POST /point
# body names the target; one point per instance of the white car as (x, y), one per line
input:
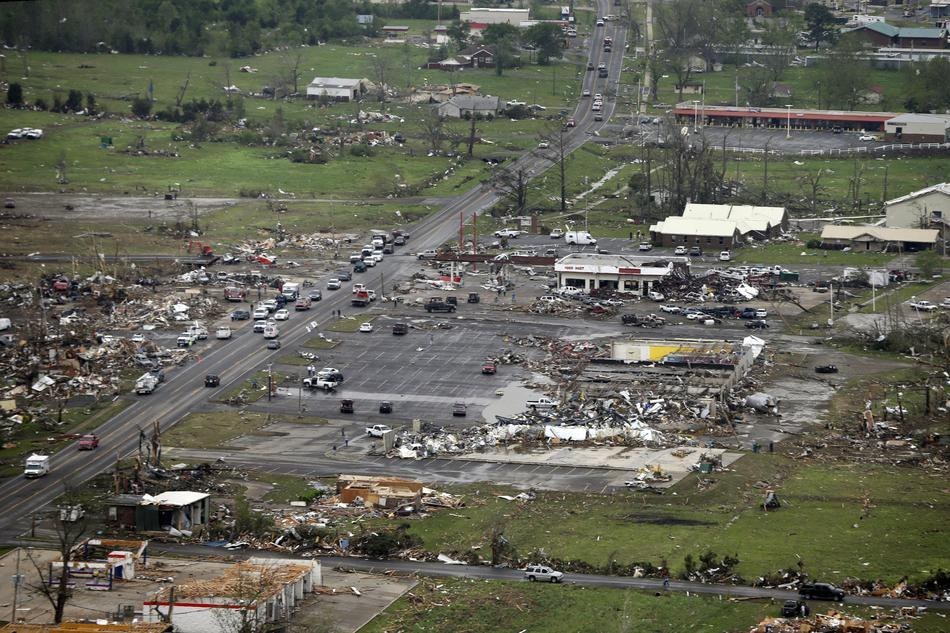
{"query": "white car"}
(33, 133)
(761, 313)
(260, 313)
(600, 22)
(598, 97)
(542, 573)
(507, 233)
(358, 288)
(867, 137)
(15, 133)
(585, 93)
(670, 309)
(556, 234)
(693, 316)
(945, 304)
(370, 261)
(922, 305)
(543, 145)
(269, 304)
(335, 284)
(680, 250)
(366, 327)
(725, 256)
(138, 338)
(282, 315)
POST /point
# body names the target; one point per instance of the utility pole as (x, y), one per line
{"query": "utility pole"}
(16, 587)
(270, 381)
(831, 303)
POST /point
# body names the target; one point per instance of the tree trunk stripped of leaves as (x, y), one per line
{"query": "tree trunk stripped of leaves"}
(513, 184)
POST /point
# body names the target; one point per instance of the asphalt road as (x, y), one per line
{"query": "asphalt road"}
(440, 570)
(184, 390)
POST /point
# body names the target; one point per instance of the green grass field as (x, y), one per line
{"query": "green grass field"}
(215, 429)
(790, 253)
(903, 534)
(480, 606)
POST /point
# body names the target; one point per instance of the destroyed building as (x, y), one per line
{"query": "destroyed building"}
(248, 596)
(383, 492)
(97, 563)
(637, 274)
(175, 510)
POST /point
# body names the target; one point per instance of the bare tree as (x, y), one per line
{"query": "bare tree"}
(70, 523)
(432, 126)
(513, 185)
(381, 67)
(472, 137)
(810, 182)
(182, 89)
(290, 62)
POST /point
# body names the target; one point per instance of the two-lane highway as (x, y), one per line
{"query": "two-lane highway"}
(234, 360)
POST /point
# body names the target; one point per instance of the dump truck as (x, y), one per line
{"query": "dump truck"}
(36, 466)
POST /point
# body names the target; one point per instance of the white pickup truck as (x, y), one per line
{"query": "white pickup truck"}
(540, 403)
(146, 384)
(321, 382)
(377, 430)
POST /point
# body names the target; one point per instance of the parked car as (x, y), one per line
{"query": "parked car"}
(512, 233)
(795, 609)
(385, 406)
(377, 430)
(366, 327)
(758, 324)
(922, 305)
(645, 246)
(542, 573)
(826, 369)
(346, 406)
(459, 409)
(679, 250)
(867, 137)
(556, 234)
(725, 256)
(670, 309)
(821, 591)
(695, 251)
(400, 329)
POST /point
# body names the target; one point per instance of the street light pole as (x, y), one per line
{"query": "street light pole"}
(695, 115)
(270, 381)
(788, 122)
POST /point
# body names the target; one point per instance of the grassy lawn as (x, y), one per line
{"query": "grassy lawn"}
(902, 175)
(887, 299)
(481, 606)
(901, 535)
(350, 323)
(215, 429)
(720, 88)
(31, 436)
(252, 393)
(286, 488)
(320, 343)
(790, 253)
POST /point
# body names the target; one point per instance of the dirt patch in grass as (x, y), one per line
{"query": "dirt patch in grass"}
(351, 323)
(654, 519)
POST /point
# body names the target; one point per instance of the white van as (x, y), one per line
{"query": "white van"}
(271, 331)
(725, 256)
(579, 237)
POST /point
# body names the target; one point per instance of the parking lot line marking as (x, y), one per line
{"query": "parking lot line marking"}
(537, 467)
(571, 470)
(604, 489)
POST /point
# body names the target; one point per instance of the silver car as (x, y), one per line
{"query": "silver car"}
(542, 573)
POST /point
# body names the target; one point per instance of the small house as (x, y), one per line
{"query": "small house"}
(335, 89)
(176, 510)
(467, 106)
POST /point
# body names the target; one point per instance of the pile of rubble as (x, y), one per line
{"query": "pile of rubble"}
(831, 622)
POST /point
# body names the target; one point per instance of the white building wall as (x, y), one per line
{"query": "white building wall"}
(909, 213)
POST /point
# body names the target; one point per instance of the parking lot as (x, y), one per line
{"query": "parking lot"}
(422, 373)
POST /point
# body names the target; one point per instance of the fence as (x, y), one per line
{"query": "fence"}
(900, 147)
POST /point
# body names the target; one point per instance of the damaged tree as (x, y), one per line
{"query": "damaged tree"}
(70, 524)
(513, 185)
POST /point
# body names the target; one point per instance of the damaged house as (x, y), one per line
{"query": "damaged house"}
(249, 596)
(98, 563)
(175, 510)
(382, 492)
(637, 274)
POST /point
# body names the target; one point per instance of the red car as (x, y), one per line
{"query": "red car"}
(489, 368)
(88, 442)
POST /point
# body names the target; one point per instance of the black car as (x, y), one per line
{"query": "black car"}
(212, 381)
(459, 409)
(240, 315)
(758, 324)
(385, 407)
(346, 406)
(399, 240)
(821, 591)
(747, 313)
(344, 275)
(315, 295)
(695, 251)
(795, 609)
(273, 344)
(826, 369)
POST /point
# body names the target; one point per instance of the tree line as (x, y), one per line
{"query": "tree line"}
(234, 28)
